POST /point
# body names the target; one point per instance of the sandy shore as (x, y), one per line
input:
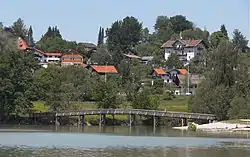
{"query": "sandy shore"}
(219, 126)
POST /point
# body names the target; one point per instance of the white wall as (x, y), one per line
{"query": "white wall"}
(51, 59)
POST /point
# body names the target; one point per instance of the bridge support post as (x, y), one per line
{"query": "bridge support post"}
(113, 119)
(154, 121)
(83, 120)
(102, 119)
(130, 120)
(184, 122)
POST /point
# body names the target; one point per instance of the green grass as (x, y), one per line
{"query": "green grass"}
(180, 103)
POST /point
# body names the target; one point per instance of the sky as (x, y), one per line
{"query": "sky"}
(79, 20)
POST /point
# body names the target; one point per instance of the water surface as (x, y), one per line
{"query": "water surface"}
(118, 142)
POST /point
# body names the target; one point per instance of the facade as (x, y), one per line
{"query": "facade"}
(158, 73)
(71, 59)
(185, 49)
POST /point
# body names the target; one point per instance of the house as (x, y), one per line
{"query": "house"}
(71, 59)
(104, 69)
(42, 57)
(185, 49)
(158, 73)
(171, 74)
(131, 56)
(22, 44)
(88, 46)
(190, 81)
(146, 59)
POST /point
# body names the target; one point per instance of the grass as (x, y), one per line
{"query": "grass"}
(180, 103)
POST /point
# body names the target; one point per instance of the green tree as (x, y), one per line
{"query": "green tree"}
(216, 38)
(16, 71)
(180, 23)
(145, 100)
(173, 61)
(30, 37)
(163, 28)
(196, 34)
(19, 28)
(123, 35)
(224, 30)
(239, 40)
(216, 92)
(99, 41)
(106, 93)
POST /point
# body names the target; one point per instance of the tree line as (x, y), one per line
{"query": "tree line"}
(224, 92)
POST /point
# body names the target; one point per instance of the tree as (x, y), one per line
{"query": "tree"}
(30, 37)
(16, 71)
(173, 61)
(19, 28)
(216, 38)
(123, 35)
(163, 28)
(224, 30)
(216, 92)
(106, 93)
(239, 40)
(196, 34)
(99, 41)
(145, 100)
(180, 23)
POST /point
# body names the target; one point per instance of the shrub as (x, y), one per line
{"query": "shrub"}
(192, 127)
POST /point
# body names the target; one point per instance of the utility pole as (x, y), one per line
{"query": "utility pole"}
(188, 79)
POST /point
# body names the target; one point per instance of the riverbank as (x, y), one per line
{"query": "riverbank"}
(224, 126)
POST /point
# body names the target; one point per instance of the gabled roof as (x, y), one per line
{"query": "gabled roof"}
(132, 56)
(57, 54)
(187, 43)
(104, 68)
(72, 56)
(22, 44)
(160, 71)
(181, 71)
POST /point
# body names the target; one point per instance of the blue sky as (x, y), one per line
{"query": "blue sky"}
(79, 20)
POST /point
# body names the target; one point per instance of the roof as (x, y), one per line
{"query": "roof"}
(160, 71)
(147, 58)
(104, 68)
(132, 56)
(72, 56)
(88, 45)
(183, 71)
(22, 44)
(187, 43)
(193, 79)
(84, 65)
(54, 54)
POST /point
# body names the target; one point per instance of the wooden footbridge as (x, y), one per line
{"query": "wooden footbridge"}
(130, 112)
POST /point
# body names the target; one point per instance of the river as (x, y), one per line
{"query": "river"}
(33, 141)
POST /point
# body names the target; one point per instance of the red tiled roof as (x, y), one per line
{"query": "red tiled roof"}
(72, 56)
(187, 43)
(104, 69)
(22, 44)
(53, 54)
(183, 71)
(160, 71)
(84, 65)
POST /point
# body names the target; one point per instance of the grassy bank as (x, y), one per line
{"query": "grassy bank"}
(178, 104)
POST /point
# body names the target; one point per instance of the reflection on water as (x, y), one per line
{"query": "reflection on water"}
(118, 142)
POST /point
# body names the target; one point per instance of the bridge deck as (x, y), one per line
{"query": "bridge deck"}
(135, 112)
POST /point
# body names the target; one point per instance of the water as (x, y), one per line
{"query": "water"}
(118, 142)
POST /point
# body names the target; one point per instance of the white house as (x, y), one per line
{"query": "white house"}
(47, 57)
(185, 49)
